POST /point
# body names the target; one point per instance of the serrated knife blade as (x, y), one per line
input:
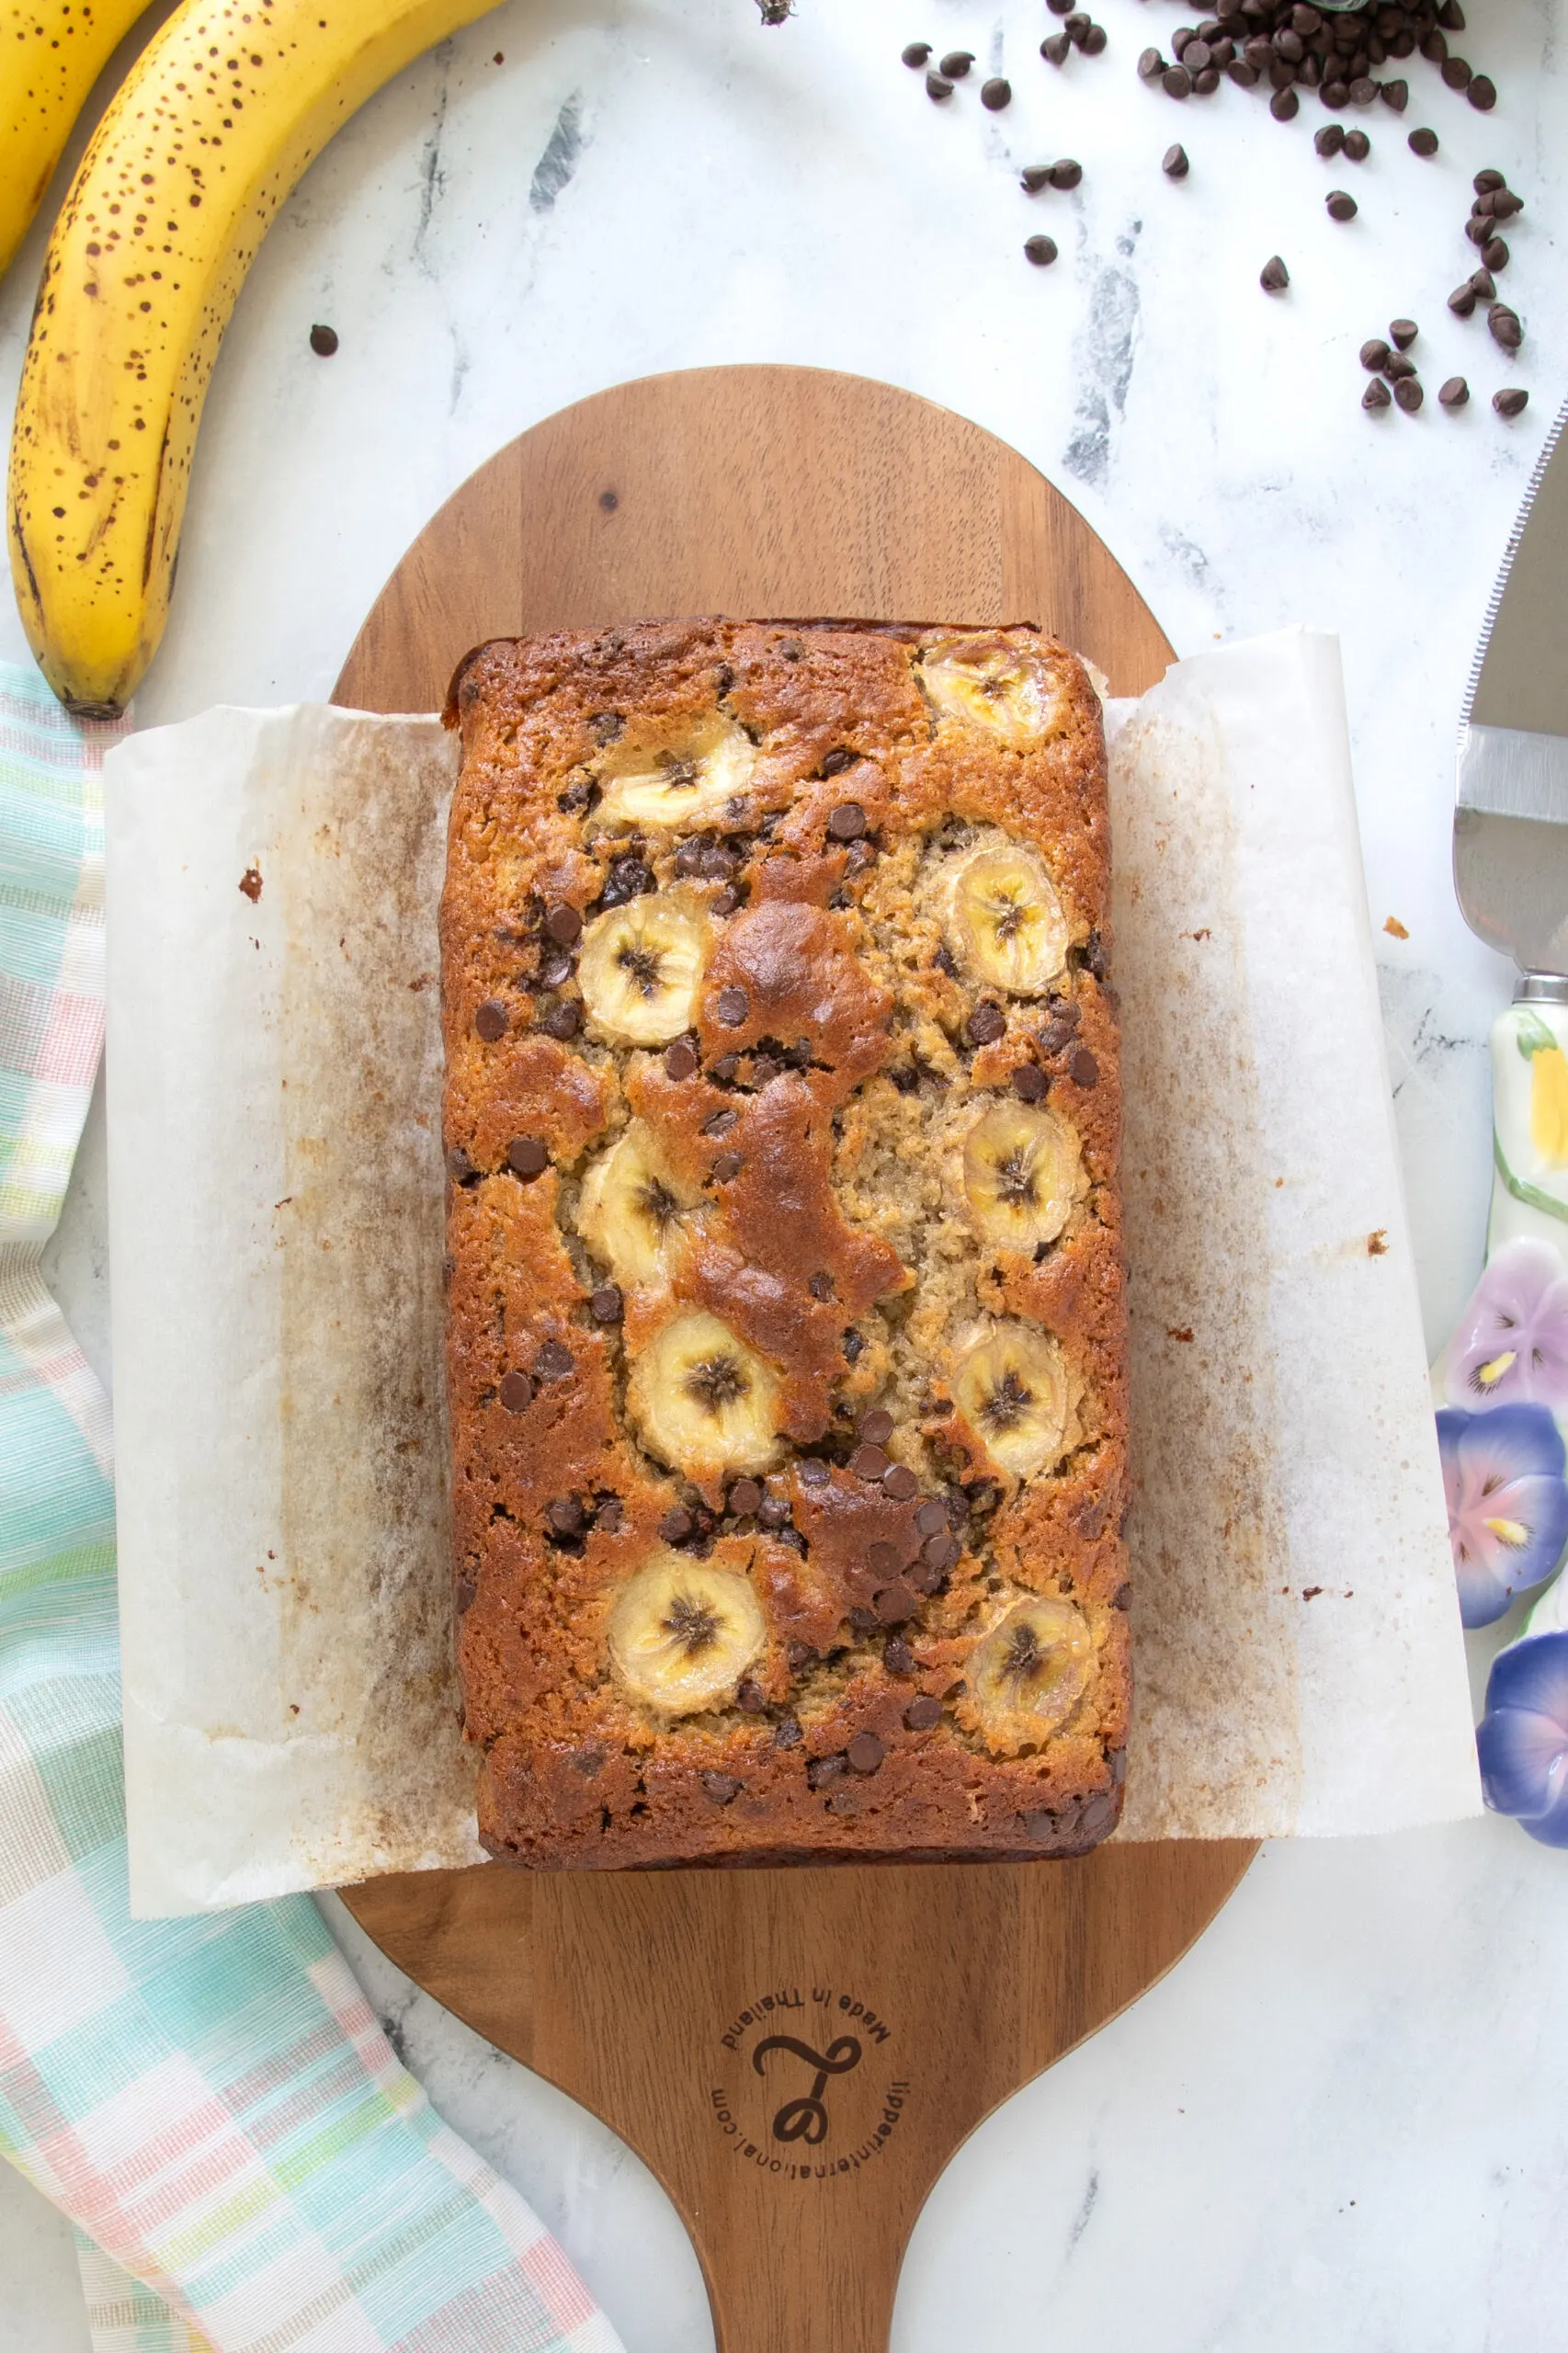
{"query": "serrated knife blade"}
(1511, 812)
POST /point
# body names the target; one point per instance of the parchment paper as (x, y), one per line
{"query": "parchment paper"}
(276, 1238)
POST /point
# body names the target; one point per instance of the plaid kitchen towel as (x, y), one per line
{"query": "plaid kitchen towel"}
(211, 2101)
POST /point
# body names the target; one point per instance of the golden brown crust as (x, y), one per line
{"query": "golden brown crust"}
(809, 1123)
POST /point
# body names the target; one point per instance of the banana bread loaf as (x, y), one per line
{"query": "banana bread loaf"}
(785, 1319)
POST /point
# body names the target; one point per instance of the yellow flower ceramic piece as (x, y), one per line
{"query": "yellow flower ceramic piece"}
(1548, 1105)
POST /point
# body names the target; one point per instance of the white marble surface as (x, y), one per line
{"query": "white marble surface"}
(1339, 2123)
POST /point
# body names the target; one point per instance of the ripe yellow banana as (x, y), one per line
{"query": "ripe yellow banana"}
(226, 105)
(51, 52)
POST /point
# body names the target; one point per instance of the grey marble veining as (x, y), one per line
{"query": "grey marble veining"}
(1339, 2123)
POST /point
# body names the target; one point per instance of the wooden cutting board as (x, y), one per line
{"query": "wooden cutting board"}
(795, 2053)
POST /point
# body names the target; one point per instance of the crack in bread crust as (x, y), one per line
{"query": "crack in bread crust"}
(782, 1118)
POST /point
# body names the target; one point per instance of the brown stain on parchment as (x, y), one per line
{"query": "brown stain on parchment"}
(1213, 1647)
(367, 1546)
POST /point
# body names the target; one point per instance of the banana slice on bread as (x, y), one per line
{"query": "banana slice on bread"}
(703, 1401)
(988, 682)
(633, 1214)
(683, 1633)
(693, 775)
(1024, 1678)
(1012, 1390)
(642, 967)
(1006, 921)
(1021, 1174)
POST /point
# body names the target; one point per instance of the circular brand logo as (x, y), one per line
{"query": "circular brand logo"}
(809, 2088)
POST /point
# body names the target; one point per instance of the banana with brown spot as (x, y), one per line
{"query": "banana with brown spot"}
(217, 120)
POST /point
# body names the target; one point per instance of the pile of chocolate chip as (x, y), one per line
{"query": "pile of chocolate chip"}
(1292, 46)
(1395, 381)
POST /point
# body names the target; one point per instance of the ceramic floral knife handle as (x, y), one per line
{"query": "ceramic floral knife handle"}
(1529, 1118)
(1500, 1387)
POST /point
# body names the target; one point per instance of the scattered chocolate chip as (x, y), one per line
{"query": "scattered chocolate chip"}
(564, 1514)
(937, 88)
(1034, 176)
(732, 1007)
(848, 821)
(957, 62)
(720, 1123)
(1483, 92)
(995, 94)
(1374, 354)
(1151, 65)
(868, 1461)
(1029, 1082)
(923, 1714)
(813, 1472)
(854, 1344)
(1495, 254)
(1358, 146)
(897, 1656)
(1054, 50)
(1396, 365)
(823, 1771)
(1422, 142)
(1377, 396)
(490, 1021)
(786, 1733)
(562, 1021)
(676, 1524)
(565, 925)
(1506, 204)
(1067, 172)
(940, 1553)
(517, 1390)
(1175, 164)
(460, 1167)
(895, 1604)
(1462, 300)
(1082, 1067)
(1059, 1031)
(527, 1156)
(1504, 326)
(752, 1698)
(884, 1561)
(1482, 284)
(727, 1167)
(1395, 94)
(723, 1788)
(1093, 41)
(680, 1060)
(1403, 333)
(606, 1305)
(606, 725)
(1340, 205)
(1177, 82)
(553, 1362)
(1285, 106)
(1455, 393)
(931, 1519)
(865, 1752)
(875, 1427)
(726, 1068)
(1041, 251)
(985, 1024)
(554, 968)
(324, 341)
(609, 1516)
(773, 1512)
(1511, 400)
(1408, 393)
(629, 878)
(917, 52)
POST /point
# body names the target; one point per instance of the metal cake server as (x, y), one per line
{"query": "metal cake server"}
(1511, 851)
(1511, 817)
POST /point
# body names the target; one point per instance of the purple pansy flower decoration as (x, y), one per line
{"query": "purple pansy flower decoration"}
(1511, 1347)
(1508, 1502)
(1523, 1738)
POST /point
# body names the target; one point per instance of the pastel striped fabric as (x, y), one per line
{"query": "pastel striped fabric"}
(249, 2168)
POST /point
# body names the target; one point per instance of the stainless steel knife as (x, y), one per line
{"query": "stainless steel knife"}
(1511, 849)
